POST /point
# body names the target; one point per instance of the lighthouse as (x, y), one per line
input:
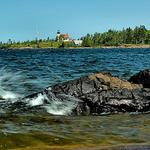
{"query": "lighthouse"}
(62, 37)
(58, 36)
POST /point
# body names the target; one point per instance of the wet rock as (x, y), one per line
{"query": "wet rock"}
(95, 94)
(102, 93)
(143, 77)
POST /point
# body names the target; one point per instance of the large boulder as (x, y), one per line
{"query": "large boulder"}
(95, 94)
(143, 77)
(101, 93)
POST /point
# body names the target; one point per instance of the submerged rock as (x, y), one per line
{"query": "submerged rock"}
(96, 94)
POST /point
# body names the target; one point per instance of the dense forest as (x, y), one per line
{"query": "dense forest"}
(138, 35)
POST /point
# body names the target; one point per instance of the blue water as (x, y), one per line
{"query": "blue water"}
(26, 71)
(39, 68)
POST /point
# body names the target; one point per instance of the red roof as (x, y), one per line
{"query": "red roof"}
(66, 36)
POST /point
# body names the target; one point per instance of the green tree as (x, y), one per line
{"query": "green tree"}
(87, 41)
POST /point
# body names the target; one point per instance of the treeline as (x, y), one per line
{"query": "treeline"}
(37, 43)
(29, 44)
(136, 36)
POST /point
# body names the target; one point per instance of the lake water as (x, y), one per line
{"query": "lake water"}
(23, 72)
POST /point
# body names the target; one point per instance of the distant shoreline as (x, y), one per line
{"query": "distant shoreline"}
(103, 47)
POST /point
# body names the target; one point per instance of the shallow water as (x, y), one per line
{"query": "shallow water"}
(103, 131)
(24, 72)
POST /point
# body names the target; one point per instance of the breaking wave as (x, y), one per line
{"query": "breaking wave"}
(9, 84)
(61, 105)
(12, 90)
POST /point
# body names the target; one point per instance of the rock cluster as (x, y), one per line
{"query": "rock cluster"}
(143, 77)
(98, 93)
(102, 93)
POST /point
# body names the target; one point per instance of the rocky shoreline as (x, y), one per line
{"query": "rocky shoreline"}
(95, 94)
(102, 93)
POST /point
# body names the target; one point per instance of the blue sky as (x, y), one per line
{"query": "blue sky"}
(26, 19)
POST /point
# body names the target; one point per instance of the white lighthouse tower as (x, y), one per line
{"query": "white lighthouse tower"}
(58, 36)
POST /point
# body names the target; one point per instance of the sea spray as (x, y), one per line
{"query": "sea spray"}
(12, 91)
(65, 107)
(12, 87)
(8, 80)
(17, 84)
(60, 105)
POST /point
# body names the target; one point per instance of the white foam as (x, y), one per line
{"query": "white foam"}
(8, 78)
(39, 100)
(60, 108)
(7, 95)
(54, 105)
(16, 84)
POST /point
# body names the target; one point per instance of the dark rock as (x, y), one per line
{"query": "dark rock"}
(143, 77)
(96, 94)
(102, 93)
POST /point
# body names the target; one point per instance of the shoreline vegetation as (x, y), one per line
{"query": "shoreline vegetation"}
(139, 37)
(132, 46)
(81, 47)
